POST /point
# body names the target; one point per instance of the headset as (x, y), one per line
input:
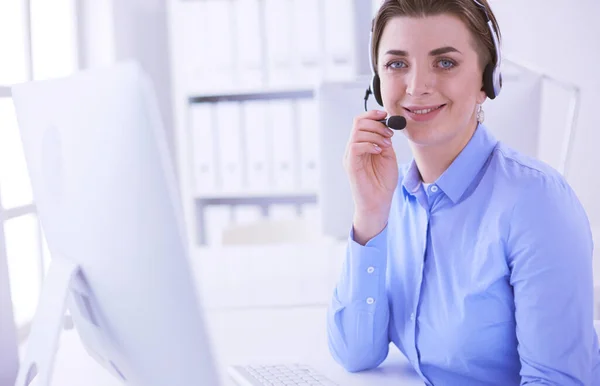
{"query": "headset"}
(492, 76)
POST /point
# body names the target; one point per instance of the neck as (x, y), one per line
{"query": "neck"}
(433, 160)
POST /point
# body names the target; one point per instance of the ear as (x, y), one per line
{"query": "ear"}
(481, 97)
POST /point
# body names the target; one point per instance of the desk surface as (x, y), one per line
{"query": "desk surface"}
(250, 322)
(248, 336)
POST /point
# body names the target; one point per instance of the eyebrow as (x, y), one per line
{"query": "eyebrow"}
(437, 51)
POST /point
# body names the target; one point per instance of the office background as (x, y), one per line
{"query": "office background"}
(235, 80)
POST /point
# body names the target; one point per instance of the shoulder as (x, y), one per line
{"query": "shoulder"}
(528, 180)
(523, 170)
(542, 199)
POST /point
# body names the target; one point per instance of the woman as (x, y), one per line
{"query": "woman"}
(474, 260)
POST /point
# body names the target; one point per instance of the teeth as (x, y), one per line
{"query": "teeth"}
(425, 111)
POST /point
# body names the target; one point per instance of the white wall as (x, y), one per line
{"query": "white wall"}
(560, 37)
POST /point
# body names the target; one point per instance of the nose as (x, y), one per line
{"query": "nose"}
(419, 81)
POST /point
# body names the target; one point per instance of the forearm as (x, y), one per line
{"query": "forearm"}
(357, 324)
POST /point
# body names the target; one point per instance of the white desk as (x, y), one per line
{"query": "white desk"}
(252, 336)
(264, 304)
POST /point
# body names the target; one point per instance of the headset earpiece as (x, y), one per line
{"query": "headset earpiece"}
(492, 78)
(376, 89)
(488, 81)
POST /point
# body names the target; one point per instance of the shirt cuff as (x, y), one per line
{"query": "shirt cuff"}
(378, 241)
(365, 270)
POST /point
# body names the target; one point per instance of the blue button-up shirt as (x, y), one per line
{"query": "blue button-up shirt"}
(483, 279)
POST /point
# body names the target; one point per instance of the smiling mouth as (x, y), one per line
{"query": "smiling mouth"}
(424, 111)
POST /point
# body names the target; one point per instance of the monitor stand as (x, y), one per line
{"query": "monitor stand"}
(47, 325)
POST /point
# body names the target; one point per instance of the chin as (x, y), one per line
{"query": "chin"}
(426, 137)
(427, 133)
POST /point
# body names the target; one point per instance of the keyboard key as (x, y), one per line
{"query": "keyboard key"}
(278, 375)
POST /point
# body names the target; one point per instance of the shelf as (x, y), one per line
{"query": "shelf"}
(249, 95)
(250, 193)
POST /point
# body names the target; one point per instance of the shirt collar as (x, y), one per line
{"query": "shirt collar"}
(412, 179)
(460, 174)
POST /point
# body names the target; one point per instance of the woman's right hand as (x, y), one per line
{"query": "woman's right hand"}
(370, 162)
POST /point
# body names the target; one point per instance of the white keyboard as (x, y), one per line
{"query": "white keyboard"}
(278, 375)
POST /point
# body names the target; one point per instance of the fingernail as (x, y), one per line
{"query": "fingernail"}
(382, 113)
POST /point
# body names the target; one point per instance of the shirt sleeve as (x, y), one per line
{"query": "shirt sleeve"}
(550, 255)
(358, 316)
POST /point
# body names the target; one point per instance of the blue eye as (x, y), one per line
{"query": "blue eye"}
(396, 64)
(446, 64)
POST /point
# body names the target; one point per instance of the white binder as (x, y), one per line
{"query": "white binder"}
(308, 134)
(339, 32)
(229, 145)
(257, 164)
(192, 22)
(248, 44)
(280, 50)
(219, 55)
(283, 145)
(202, 128)
(307, 40)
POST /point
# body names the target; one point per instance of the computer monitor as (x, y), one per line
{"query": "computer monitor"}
(8, 332)
(514, 118)
(106, 195)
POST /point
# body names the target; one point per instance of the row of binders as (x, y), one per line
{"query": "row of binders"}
(266, 43)
(255, 146)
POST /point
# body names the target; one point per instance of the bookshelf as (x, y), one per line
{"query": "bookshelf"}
(246, 81)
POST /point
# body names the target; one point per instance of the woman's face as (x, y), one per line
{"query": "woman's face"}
(430, 74)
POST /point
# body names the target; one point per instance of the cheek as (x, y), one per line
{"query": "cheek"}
(460, 85)
(393, 88)
(461, 91)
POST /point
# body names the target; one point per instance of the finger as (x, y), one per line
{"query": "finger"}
(370, 125)
(362, 148)
(372, 115)
(367, 136)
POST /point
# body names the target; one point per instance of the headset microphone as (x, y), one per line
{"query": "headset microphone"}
(396, 122)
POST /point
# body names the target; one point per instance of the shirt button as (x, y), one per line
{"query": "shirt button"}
(370, 270)
(434, 188)
(370, 300)
(412, 316)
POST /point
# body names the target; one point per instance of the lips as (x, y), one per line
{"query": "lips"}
(423, 113)
(422, 110)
